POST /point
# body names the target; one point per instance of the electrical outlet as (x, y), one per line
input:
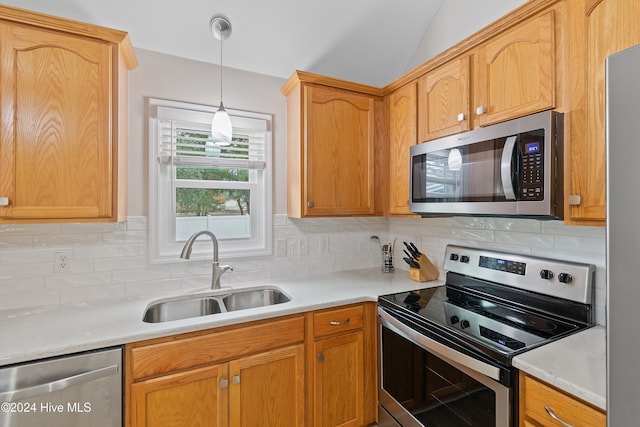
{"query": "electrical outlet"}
(62, 261)
(281, 247)
(303, 246)
(324, 244)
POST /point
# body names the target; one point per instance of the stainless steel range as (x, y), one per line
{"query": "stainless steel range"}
(446, 351)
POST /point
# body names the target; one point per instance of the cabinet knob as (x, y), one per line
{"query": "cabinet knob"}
(310, 203)
(4, 201)
(461, 117)
(235, 379)
(224, 383)
(575, 200)
(481, 110)
(320, 357)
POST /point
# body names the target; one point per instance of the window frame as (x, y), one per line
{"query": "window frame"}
(163, 246)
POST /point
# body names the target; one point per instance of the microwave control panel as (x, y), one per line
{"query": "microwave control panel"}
(532, 184)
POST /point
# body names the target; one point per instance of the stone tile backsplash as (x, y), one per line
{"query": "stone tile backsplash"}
(110, 260)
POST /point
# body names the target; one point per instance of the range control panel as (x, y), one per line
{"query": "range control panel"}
(565, 279)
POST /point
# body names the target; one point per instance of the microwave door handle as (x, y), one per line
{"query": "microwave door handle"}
(505, 167)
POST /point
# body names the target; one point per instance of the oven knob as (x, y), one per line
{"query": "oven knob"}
(454, 319)
(565, 278)
(464, 324)
(453, 257)
(546, 274)
(464, 258)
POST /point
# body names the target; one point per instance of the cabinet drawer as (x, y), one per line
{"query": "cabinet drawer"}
(337, 321)
(538, 395)
(182, 353)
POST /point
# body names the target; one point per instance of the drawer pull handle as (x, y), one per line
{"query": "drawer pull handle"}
(555, 417)
(339, 322)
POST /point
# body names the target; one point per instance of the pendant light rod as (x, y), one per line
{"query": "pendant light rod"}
(221, 30)
(221, 128)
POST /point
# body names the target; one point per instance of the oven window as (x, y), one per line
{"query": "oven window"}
(434, 392)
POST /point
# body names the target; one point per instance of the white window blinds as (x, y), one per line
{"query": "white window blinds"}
(185, 139)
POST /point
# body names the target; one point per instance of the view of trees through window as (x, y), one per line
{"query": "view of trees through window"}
(196, 201)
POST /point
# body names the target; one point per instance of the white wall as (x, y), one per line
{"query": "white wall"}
(180, 79)
(456, 20)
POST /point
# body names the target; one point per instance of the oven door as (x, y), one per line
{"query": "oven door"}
(425, 383)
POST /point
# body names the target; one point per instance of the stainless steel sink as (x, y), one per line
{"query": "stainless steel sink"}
(242, 300)
(205, 305)
(181, 309)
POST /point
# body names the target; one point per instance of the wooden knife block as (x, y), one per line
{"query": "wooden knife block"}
(426, 272)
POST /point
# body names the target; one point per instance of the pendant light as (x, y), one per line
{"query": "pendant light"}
(221, 130)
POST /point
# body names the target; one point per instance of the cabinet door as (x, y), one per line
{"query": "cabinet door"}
(191, 398)
(55, 146)
(609, 26)
(515, 72)
(268, 389)
(339, 381)
(536, 397)
(403, 116)
(338, 151)
(443, 100)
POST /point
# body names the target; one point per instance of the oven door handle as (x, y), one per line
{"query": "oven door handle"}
(437, 348)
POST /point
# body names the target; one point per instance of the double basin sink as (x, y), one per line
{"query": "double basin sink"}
(185, 307)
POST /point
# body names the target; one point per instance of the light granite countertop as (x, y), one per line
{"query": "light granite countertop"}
(45, 331)
(575, 364)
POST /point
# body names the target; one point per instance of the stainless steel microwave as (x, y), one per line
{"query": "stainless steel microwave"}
(514, 168)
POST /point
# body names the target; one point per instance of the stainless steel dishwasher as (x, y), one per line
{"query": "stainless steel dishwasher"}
(83, 389)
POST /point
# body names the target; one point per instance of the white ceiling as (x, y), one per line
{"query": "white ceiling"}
(368, 41)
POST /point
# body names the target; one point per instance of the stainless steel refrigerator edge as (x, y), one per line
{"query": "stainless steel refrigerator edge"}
(623, 237)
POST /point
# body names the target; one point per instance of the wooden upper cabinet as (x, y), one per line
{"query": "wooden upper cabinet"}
(63, 99)
(601, 28)
(443, 100)
(403, 126)
(330, 150)
(515, 72)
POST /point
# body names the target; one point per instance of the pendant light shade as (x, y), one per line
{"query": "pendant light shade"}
(221, 130)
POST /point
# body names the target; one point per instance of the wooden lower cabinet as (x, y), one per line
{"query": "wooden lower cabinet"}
(268, 389)
(339, 381)
(343, 366)
(244, 375)
(536, 397)
(190, 398)
(264, 373)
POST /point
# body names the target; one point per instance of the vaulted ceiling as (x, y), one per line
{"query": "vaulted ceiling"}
(368, 41)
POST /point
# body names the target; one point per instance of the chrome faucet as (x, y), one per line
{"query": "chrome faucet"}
(218, 269)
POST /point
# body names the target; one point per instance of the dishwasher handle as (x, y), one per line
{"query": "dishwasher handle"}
(60, 384)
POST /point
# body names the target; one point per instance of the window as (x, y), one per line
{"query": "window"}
(196, 185)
